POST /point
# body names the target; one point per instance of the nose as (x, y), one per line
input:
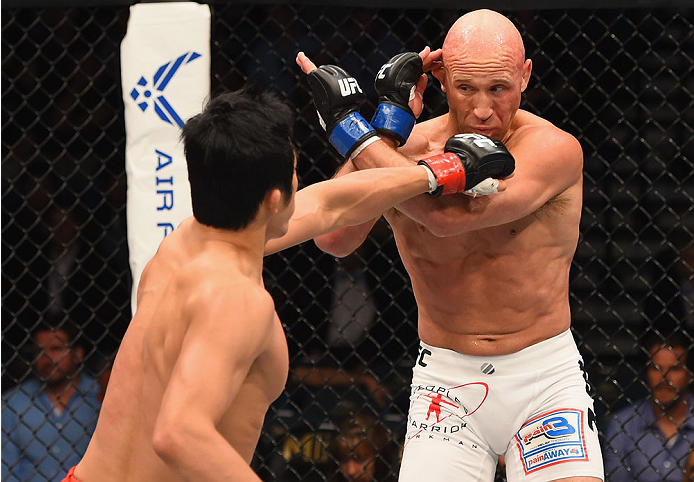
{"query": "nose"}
(352, 469)
(483, 107)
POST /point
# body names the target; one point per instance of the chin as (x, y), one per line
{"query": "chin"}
(666, 399)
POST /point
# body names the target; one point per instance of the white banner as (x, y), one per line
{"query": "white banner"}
(165, 73)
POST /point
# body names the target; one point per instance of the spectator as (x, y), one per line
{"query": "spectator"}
(650, 440)
(363, 450)
(47, 421)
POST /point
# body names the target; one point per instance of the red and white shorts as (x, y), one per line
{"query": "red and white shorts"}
(531, 406)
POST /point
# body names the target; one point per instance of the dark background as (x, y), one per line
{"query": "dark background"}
(619, 79)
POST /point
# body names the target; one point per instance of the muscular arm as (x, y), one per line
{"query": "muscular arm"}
(342, 242)
(214, 361)
(349, 200)
(548, 161)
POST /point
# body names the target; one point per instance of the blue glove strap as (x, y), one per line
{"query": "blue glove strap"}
(350, 132)
(394, 121)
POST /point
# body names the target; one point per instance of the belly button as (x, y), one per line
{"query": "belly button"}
(513, 232)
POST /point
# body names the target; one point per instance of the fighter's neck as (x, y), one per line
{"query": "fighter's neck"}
(247, 244)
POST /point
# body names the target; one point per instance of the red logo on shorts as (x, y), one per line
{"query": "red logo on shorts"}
(435, 405)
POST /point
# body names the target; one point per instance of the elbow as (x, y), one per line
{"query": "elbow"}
(168, 442)
(333, 244)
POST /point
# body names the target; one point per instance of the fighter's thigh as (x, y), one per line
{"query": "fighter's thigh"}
(432, 458)
(559, 442)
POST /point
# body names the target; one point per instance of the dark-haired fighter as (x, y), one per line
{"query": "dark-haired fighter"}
(490, 273)
(205, 354)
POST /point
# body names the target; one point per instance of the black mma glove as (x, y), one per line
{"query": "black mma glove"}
(469, 159)
(395, 84)
(336, 96)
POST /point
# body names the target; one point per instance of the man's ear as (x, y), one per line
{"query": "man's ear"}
(273, 200)
(440, 74)
(527, 69)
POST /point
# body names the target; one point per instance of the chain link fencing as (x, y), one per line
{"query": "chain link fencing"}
(620, 80)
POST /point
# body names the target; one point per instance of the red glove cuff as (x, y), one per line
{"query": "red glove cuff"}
(449, 172)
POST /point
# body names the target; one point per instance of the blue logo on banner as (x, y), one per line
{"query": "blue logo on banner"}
(161, 79)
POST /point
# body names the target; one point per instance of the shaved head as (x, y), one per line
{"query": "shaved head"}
(483, 32)
(484, 73)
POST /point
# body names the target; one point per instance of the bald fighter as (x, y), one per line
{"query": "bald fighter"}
(205, 354)
(490, 273)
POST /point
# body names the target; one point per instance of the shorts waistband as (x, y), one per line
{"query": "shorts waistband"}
(560, 348)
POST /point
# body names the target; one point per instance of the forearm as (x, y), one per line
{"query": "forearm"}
(381, 154)
(349, 200)
(443, 216)
(364, 195)
(421, 209)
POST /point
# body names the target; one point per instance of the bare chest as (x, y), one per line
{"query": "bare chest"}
(471, 272)
(418, 245)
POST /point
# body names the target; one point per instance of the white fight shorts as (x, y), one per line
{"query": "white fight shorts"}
(531, 406)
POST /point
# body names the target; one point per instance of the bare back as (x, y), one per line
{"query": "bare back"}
(183, 268)
(495, 289)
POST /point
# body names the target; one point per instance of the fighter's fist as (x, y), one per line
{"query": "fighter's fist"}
(337, 96)
(395, 84)
(469, 159)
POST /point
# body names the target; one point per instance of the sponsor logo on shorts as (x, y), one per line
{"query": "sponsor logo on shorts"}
(423, 352)
(487, 368)
(552, 438)
(145, 92)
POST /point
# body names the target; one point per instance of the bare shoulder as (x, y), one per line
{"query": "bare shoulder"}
(539, 139)
(215, 294)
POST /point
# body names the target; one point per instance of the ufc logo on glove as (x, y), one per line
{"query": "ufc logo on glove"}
(348, 86)
(382, 73)
(479, 140)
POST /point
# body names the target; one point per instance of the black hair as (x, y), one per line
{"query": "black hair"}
(237, 149)
(676, 339)
(654, 340)
(361, 436)
(72, 331)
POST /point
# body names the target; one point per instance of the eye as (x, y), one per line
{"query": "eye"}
(498, 88)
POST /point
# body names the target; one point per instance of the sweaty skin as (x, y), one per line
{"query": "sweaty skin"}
(187, 361)
(490, 274)
(205, 354)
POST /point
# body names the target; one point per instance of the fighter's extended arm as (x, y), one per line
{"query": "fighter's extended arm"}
(214, 360)
(548, 162)
(342, 242)
(349, 200)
